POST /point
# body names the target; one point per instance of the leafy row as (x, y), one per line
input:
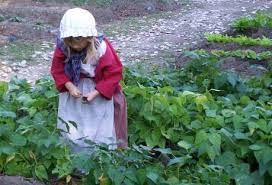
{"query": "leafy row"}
(244, 54)
(225, 123)
(251, 22)
(197, 125)
(242, 40)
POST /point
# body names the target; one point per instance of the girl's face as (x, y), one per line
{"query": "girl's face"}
(77, 43)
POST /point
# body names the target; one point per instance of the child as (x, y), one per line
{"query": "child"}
(87, 71)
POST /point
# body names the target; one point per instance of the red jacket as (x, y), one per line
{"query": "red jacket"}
(108, 72)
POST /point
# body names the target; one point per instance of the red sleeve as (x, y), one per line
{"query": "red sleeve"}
(57, 70)
(111, 73)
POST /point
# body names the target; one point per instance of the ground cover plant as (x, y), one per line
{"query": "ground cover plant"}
(253, 22)
(198, 125)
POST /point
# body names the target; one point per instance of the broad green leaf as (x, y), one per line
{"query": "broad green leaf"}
(267, 155)
(263, 125)
(116, 176)
(3, 88)
(244, 100)
(163, 150)
(18, 168)
(7, 114)
(237, 122)
(212, 152)
(240, 135)
(50, 94)
(25, 99)
(185, 145)
(172, 180)
(215, 139)
(153, 176)
(201, 99)
(6, 149)
(227, 158)
(141, 175)
(203, 148)
(252, 127)
(228, 113)
(40, 172)
(210, 113)
(18, 140)
(232, 78)
(178, 160)
(131, 175)
(201, 136)
(255, 147)
(10, 158)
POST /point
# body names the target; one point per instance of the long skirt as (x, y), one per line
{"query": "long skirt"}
(120, 119)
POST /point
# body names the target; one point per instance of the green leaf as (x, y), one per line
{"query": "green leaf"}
(73, 123)
(155, 138)
(212, 152)
(227, 158)
(201, 136)
(163, 150)
(210, 113)
(40, 172)
(267, 155)
(185, 145)
(215, 139)
(25, 99)
(240, 135)
(115, 175)
(18, 140)
(3, 88)
(178, 160)
(172, 180)
(232, 79)
(228, 113)
(153, 176)
(244, 100)
(255, 147)
(130, 174)
(6, 149)
(263, 125)
(252, 127)
(141, 176)
(7, 114)
(50, 94)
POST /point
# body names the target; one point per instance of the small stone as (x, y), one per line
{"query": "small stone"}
(4, 75)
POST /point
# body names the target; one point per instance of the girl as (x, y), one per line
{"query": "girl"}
(87, 71)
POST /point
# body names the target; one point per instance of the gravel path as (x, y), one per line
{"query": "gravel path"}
(150, 39)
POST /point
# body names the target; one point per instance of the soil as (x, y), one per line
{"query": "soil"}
(156, 36)
(28, 20)
(245, 67)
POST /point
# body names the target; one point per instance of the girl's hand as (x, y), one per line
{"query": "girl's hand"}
(73, 90)
(90, 96)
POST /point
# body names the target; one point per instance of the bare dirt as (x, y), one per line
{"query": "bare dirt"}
(154, 36)
(245, 66)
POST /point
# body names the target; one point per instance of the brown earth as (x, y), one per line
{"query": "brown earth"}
(246, 67)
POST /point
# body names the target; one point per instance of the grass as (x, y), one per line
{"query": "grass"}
(134, 24)
(20, 50)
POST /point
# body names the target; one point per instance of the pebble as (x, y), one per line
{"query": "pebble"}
(152, 37)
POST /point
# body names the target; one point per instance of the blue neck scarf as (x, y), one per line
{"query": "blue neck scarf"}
(72, 67)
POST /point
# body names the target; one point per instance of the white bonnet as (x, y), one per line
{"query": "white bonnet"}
(77, 22)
